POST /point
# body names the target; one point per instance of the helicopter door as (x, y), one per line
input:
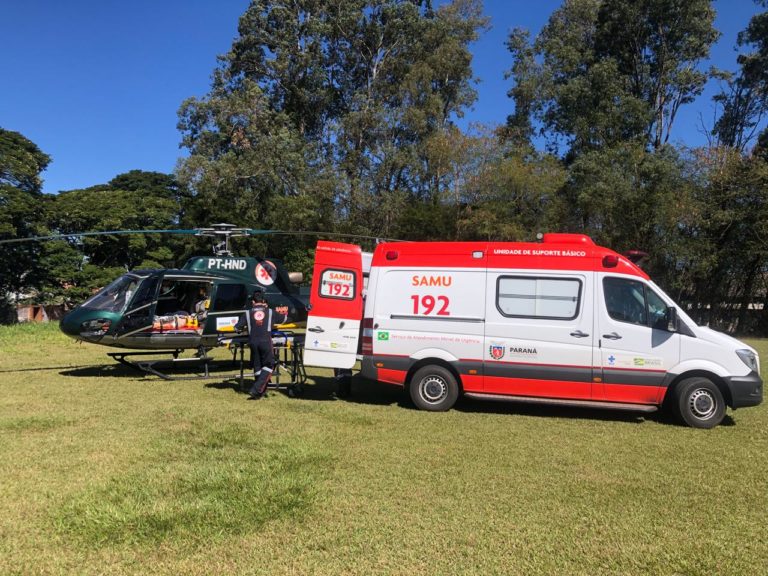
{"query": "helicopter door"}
(227, 306)
(333, 325)
(141, 308)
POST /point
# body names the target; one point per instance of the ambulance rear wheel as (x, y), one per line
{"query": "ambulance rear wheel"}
(700, 403)
(434, 388)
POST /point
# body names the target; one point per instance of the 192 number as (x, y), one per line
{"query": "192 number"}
(336, 289)
(426, 305)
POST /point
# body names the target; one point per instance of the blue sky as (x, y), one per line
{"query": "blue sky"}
(96, 84)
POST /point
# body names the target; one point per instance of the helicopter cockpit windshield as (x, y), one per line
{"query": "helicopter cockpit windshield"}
(116, 296)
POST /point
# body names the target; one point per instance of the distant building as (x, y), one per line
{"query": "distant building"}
(39, 313)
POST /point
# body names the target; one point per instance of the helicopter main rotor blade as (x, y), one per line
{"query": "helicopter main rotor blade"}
(252, 232)
(220, 230)
(101, 233)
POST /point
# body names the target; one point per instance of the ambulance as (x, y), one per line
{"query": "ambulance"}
(560, 321)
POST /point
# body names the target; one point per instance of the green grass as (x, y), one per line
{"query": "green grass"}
(103, 471)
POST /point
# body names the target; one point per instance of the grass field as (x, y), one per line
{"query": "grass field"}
(106, 472)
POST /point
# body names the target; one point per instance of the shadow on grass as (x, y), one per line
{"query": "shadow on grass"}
(376, 393)
(661, 416)
(326, 389)
(222, 370)
(38, 369)
(102, 370)
(554, 411)
(232, 384)
(319, 389)
(362, 392)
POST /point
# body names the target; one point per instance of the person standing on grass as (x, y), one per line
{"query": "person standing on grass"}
(259, 321)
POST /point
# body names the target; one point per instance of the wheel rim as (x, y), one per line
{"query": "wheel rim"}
(702, 403)
(433, 389)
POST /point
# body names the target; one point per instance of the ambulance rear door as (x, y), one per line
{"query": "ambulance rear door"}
(333, 324)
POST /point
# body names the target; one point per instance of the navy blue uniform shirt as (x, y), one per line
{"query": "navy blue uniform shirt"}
(259, 320)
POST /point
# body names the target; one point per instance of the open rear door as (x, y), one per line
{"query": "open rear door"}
(333, 325)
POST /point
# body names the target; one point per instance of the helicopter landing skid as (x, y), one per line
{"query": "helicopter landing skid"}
(288, 363)
(149, 366)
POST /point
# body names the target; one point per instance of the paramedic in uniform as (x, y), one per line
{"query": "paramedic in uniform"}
(259, 321)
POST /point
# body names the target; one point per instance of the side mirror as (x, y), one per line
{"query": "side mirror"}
(674, 323)
(296, 277)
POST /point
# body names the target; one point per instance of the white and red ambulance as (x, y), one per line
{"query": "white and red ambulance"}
(560, 321)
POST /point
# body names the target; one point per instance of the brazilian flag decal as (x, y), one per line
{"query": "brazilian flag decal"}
(383, 336)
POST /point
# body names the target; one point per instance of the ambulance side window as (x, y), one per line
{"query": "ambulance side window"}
(538, 297)
(625, 300)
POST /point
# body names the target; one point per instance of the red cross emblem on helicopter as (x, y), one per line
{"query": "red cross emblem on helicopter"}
(265, 273)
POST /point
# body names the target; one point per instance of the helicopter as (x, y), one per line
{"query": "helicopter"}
(166, 311)
(193, 307)
(158, 309)
(186, 308)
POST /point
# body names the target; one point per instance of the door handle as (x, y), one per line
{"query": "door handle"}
(579, 334)
(316, 329)
(612, 336)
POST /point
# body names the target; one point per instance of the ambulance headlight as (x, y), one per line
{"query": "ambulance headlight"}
(750, 359)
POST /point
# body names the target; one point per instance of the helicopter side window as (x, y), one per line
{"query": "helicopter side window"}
(145, 293)
(230, 297)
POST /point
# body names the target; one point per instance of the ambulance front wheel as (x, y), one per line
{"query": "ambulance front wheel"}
(700, 403)
(434, 388)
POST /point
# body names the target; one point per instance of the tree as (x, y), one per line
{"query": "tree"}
(744, 99)
(755, 64)
(22, 211)
(604, 72)
(627, 197)
(135, 200)
(730, 231)
(322, 110)
(743, 105)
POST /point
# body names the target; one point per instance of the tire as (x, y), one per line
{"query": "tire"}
(699, 403)
(434, 388)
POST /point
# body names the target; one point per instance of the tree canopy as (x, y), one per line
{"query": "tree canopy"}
(603, 72)
(343, 116)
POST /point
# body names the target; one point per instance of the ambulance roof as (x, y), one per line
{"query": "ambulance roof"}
(554, 252)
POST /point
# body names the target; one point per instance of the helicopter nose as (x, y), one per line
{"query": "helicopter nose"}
(70, 323)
